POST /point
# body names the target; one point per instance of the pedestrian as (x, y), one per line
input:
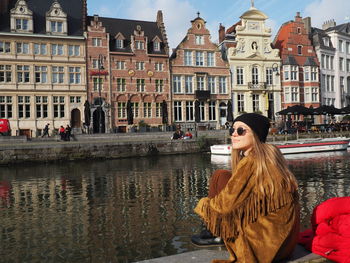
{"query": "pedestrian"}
(68, 132)
(46, 130)
(254, 209)
(62, 133)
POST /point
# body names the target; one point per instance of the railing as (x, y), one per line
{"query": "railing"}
(202, 94)
(260, 85)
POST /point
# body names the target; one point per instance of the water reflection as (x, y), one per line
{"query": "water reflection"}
(126, 210)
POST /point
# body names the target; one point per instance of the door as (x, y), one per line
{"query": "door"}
(99, 121)
(75, 118)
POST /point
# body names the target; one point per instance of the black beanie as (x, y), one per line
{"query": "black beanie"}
(258, 123)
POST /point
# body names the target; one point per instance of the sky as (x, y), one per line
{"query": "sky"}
(178, 14)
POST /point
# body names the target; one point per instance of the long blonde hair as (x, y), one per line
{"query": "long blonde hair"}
(266, 155)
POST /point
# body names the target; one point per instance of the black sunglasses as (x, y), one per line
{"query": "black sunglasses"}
(240, 131)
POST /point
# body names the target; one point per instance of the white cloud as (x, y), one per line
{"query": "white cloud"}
(323, 10)
(177, 15)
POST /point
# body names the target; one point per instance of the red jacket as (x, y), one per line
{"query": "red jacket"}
(330, 233)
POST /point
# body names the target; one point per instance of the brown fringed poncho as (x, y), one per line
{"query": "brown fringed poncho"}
(256, 227)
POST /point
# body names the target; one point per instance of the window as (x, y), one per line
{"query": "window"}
(23, 107)
(307, 94)
(314, 74)
(211, 84)
(57, 74)
(40, 74)
(40, 49)
(188, 84)
(200, 83)
(56, 26)
(201, 111)
(140, 66)
(5, 47)
(340, 46)
(300, 50)
(96, 42)
(294, 73)
(22, 24)
(120, 64)
(269, 79)
(135, 109)
(121, 110)
(322, 60)
(5, 73)
(74, 75)
(98, 84)
(74, 50)
(119, 43)
(348, 65)
(58, 107)
(295, 94)
(222, 85)
(177, 111)
(210, 59)
(140, 45)
(199, 58)
(140, 85)
(341, 64)
(328, 82)
(240, 102)
(314, 94)
(189, 111)
(332, 62)
(332, 83)
(199, 40)
(147, 110)
(41, 106)
(156, 46)
(159, 112)
(75, 99)
(342, 87)
(158, 66)
(212, 111)
(256, 99)
(326, 41)
(22, 48)
(299, 30)
(95, 63)
(188, 58)
(287, 94)
(56, 50)
(286, 72)
(23, 74)
(306, 74)
(121, 84)
(239, 71)
(6, 107)
(327, 62)
(347, 47)
(255, 75)
(177, 84)
(159, 85)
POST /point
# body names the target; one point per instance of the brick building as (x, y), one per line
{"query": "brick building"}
(200, 80)
(127, 61)
(300, 66)
(42, 64)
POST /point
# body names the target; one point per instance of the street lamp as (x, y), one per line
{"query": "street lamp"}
(100, 67)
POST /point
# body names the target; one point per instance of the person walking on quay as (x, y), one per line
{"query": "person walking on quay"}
(46, 130)
(254, 208)
(68, 132)
(62, 133)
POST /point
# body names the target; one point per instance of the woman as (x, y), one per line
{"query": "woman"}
(255, 210)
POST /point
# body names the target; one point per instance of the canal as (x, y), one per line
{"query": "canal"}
(129, 210)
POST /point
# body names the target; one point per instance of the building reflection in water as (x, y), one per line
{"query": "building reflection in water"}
(126, 210)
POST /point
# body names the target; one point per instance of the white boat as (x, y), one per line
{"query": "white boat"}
(297, 146)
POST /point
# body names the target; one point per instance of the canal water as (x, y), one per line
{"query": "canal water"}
(131, 209)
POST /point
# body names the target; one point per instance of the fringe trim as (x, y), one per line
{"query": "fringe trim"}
(229, 226)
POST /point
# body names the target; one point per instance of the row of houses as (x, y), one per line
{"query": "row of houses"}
(59, 66)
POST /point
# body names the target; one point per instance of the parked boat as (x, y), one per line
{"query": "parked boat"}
(297, 146)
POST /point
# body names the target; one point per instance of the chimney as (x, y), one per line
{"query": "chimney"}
(160, 17)
(328, 24)
(84, 15)
(298, 17)
(4, 6)
(307, 24)
(221, 33)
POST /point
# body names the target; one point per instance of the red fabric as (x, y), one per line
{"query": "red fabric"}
(330, 233)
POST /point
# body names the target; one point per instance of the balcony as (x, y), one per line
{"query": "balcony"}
(202, 94)
(259, 86)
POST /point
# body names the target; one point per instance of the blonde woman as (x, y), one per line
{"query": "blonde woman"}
(255, 210)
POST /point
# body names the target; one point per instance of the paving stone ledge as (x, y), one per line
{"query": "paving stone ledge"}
(300, 255)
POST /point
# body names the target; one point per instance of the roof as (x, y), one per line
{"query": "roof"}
(344, 28)
(73, 8)
(127, 27)
(290, 60)
(317, 38)
(310, 62)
